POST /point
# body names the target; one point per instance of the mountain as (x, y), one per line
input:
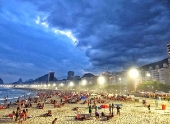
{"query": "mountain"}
(1, 81)
(18, 82)
(43, 78)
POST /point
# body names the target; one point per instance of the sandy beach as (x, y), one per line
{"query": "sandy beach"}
(132, 112)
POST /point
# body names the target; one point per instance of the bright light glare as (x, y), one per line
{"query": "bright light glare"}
(71, 84)
(84, 82)
(54, 84)
(61, 84)
(133, 73)
(148, 74)
(101, 80)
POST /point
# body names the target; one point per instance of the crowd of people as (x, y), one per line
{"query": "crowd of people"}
(67, 97)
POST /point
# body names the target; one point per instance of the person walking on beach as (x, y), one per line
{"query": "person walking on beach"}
(118, 110)
(95, 108)
(17, 115)
(88, 102)
(149, 108)
(110, 108)
(90, 110)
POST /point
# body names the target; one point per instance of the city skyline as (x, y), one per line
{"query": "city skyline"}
(83, 36)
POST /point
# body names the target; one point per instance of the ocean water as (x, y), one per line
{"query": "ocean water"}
(13, 94)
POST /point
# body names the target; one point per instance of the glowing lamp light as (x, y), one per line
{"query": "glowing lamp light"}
(133, 73)
(148, 74)
(61, 84)
(101, 80)
(84, 82)
(71, 84)
(54, 84)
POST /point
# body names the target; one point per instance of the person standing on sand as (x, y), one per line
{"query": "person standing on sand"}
(110, 108)
(118, 110)
(149, 108)
(90, 110)
(95, 108)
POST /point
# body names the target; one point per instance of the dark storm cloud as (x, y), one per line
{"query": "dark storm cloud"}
(114, 33)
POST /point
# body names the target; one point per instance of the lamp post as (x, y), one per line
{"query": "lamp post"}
(120, 84)
(84, 82)
(101, 80)
(71, 84)
(148, 76)
(134, 74)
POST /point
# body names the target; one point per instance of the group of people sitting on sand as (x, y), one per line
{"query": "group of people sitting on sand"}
(19, 115)
(40, 106)
(83, 117)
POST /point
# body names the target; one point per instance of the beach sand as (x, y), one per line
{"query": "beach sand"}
(131, 113)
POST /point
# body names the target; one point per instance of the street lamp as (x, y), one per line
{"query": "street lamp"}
(61, 84)
(120, 84)
(148, 76)
(134, 74)
(101, 80)
(84, 82)
(71, 84)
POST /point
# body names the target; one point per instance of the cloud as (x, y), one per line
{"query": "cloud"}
(109, 35)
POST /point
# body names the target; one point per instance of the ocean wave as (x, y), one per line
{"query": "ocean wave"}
(10, 98)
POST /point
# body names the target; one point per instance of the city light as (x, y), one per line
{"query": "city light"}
(84, 82)
(134, 73)
(101, 80)
(148, 74)
(120, 84)
(71, 84)
(61, 84)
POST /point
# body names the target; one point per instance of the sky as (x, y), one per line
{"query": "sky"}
(84, 36)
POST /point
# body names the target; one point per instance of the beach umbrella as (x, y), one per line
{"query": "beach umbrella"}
(118, 105)
(104, 106)
(83, 98)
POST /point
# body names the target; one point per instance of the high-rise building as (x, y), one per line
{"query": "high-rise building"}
(70, 75)
(168, 51)
(50, 76)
